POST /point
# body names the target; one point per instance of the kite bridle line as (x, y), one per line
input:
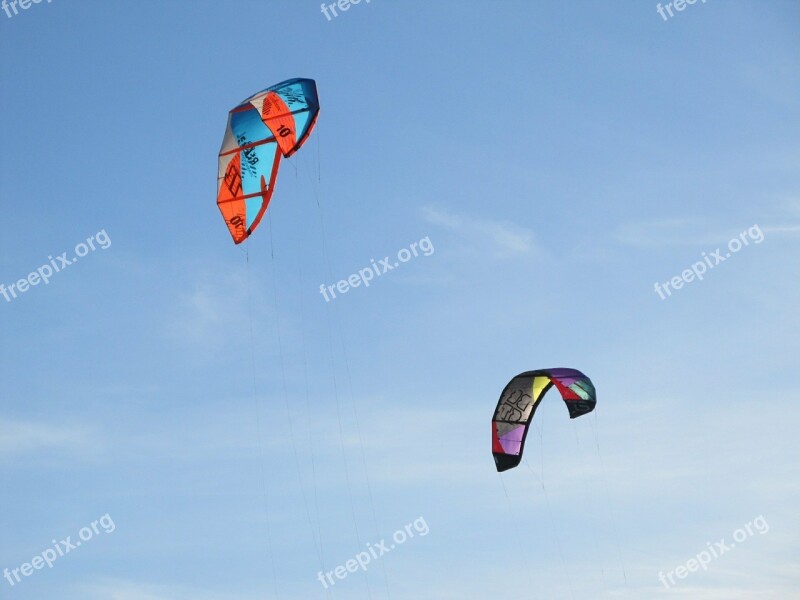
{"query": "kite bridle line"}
(290, 420)
(321, 214)
(595, 428)
(307, 394)
(551, 519)
(259, 426)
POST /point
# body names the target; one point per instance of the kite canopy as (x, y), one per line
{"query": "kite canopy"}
(272, 123)
(519, 401)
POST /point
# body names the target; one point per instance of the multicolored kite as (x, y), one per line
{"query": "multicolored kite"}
(273, 123)
(519, 401)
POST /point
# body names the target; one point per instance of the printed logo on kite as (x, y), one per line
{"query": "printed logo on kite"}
(268, 126)
(518, 403)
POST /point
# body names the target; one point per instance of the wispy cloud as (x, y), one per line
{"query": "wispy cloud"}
(665, 232)
(695, 231)
(782, 229)
(209, 310)
(129, 590)
(24, 438)
(500, 238)
(181, 437)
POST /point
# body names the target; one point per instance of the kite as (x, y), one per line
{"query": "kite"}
(271, 124)
(519, 401)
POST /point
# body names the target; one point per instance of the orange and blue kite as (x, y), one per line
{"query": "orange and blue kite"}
(273, 123)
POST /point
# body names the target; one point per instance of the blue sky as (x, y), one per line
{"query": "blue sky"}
(243, 434)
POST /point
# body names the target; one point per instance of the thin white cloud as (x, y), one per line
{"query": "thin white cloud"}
(670, 232)
(208, 311)
(782, 229)
(667, 232)
(500, 238)
(20, 438)
(129, 590)
(175, 437)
